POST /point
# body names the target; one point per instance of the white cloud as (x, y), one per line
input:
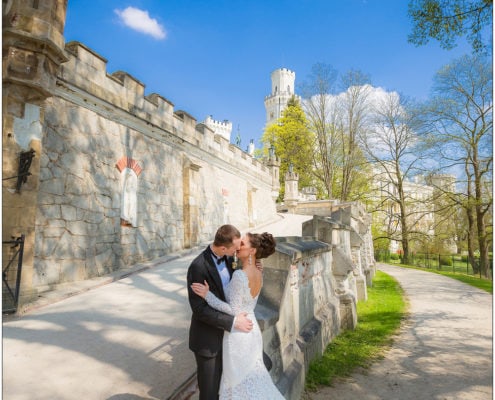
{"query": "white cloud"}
(141, 21)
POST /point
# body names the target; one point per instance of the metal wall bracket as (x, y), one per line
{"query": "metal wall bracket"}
(25, 160)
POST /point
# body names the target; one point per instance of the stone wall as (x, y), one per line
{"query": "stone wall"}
(189, 180)
(91, 132)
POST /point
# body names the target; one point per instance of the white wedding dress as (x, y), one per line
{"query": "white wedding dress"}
(244, 373)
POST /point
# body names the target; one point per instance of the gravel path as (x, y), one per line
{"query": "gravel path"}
(443, 351)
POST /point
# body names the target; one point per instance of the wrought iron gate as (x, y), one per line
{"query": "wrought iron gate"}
(11, 276)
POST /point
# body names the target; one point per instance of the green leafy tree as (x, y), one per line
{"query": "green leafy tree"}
(293, 142)
(458, 121)
(447, 20)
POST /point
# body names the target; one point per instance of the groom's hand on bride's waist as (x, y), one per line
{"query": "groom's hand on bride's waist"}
(243, 323)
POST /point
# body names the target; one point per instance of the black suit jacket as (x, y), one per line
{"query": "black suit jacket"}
(207, 324)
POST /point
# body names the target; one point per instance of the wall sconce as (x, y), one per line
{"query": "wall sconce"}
(25, 160)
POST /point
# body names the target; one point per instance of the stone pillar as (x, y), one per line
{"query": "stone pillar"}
(190, 210)
(291, 196)
(33, 49)
(274, 164)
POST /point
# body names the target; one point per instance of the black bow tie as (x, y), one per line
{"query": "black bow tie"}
(220, 259)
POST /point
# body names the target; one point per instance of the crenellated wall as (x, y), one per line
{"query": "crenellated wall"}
(124, 177)
(188, 180)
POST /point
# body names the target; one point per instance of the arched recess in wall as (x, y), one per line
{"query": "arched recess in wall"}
(129, 172)
(190, 206)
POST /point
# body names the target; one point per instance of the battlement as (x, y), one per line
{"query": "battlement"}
(210, 121)
(85, 76)
(273, 98)
(284, 71)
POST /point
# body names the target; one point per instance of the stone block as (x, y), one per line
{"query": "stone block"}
(52, 211)
(46, 272)
(45, 174)
(77, 186)
(104, 201)
(63, 249)
(57, 172)
(52, 232)
(84, 201)
(362, 291)
(93, 217)
(54, 144)
(109, 226)
(53, 186)
(104, 260)
(72, 270)
(46, 247)
(68, 212)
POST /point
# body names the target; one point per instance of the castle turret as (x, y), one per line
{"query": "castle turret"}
(33, 49)
(222, 128)
(282, 90)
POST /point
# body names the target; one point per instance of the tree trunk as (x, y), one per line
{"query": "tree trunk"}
(470, 240)
(483, 243)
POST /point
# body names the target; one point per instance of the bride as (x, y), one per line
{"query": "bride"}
(244, 373)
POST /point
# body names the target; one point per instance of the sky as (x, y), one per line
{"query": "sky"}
(215, 57)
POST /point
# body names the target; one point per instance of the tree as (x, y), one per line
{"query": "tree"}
(446, 209)
(446, 20)
(391, 146)
(354, 110)
(317, 106)
(458, 120)
(293, 142)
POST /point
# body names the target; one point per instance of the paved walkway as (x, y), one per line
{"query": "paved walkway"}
(113, 338)
(443, 352)
(124, 337)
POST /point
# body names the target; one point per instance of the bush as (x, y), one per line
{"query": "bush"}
(446, 260)
(394, 256)
(464, 258)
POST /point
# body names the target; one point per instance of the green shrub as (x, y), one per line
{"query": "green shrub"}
(464, 258)
(394, 256)
(446, 260)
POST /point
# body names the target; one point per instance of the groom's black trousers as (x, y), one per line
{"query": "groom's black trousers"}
(209, 375)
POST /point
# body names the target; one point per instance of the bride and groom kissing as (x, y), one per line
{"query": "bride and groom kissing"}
(224, 334)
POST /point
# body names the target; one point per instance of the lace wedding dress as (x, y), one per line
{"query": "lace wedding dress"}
(244, 373)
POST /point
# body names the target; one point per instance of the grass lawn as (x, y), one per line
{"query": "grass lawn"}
(378, 319)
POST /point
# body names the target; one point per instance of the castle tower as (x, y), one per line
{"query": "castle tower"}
(282, 90)
(33, 49)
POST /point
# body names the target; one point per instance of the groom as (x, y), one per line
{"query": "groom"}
(213, 265)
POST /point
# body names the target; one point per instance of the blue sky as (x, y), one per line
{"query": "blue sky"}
(215, 57)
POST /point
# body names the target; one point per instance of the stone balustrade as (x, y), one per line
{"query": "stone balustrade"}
(311, 287)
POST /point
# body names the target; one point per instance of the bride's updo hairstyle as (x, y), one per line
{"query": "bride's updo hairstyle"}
(264, 243)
